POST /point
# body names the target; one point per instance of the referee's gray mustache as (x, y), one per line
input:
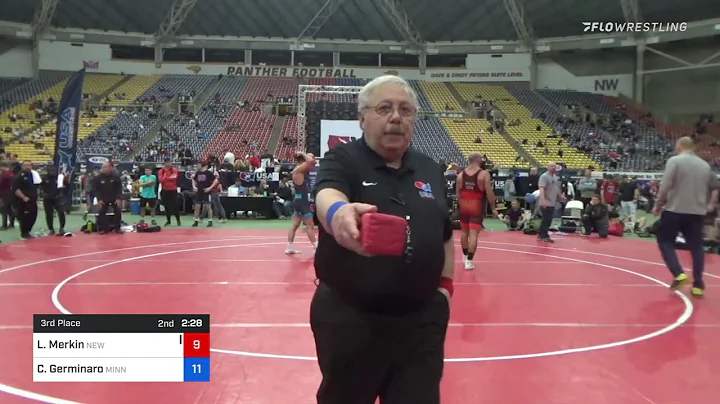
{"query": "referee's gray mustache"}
(394, 130)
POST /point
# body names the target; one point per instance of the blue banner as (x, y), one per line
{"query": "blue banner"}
(66, 133)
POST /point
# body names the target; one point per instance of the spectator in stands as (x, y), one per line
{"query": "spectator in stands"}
(595, 217)
(229, 156)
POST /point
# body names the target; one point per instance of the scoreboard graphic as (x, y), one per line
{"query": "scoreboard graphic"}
(121, 348)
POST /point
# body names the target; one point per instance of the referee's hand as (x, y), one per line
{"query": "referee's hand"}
(346, 225)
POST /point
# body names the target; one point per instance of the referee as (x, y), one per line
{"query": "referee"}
(688, 191)
(380, 322)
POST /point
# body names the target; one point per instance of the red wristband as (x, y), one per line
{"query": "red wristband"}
(447, 284)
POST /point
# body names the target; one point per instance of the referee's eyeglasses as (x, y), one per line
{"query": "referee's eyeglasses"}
(405, 111)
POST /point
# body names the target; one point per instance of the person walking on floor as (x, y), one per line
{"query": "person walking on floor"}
(550, 192)
(688, 191)
(25, 193)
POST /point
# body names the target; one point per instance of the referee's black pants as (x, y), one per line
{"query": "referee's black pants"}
(169, 199)
(363, 356)
(691, 227)
(27, 215)
(51, 206)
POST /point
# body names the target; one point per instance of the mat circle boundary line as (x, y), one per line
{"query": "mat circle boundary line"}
(677, 323)
(55, 400)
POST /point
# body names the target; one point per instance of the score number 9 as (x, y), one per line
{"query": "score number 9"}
(196, 344)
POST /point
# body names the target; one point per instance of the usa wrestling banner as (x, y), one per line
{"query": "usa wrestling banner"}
(66, 133)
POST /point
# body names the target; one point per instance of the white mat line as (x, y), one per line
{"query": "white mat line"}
(289, 260)
(253, 283)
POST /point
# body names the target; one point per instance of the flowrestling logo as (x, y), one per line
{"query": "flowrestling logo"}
(615, 27)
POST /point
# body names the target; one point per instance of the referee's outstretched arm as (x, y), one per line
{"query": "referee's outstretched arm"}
(333, 187)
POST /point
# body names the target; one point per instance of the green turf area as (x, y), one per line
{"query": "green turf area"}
(75, 222)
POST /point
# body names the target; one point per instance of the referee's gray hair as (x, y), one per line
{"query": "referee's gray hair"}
(369, 89)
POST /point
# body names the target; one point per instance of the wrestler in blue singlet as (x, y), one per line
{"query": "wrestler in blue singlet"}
(301, 203)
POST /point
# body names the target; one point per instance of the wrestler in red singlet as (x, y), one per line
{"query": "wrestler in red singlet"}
(471, 200)
(474, 188)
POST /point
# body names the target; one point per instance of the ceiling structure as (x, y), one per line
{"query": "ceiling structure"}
(435, 20)
(411, 22)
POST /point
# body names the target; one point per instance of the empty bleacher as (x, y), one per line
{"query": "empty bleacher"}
(287, 145)
(465, 133)
(8, 83)
(440, 97)
(432, 138)
(249, 128)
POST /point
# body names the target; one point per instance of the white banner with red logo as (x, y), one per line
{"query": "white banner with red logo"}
(334, 133)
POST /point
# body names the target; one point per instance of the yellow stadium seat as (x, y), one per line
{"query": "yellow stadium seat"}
(465, 131)
(440, 97)
(527, 129)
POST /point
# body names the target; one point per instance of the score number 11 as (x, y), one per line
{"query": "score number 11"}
(196, 351)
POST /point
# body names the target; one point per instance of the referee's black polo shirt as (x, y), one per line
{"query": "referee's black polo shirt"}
(388, 285)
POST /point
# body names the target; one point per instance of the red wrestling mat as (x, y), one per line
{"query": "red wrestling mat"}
(578, 321)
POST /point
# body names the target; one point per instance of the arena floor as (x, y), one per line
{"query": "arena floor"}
(582, 321)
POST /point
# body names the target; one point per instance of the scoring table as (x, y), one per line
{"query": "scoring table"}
(121, 348)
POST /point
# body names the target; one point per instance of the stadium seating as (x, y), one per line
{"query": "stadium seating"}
(469, 92)
(465, 133)
(284, 150)
(433, 139)
(8, 83)
(540, 107)
(527, 129)
(21, 101)
(423, 100)
(95, 84)
(211, 117)
(245, 132)
(648, 140)
(440, 97)
(248, 130)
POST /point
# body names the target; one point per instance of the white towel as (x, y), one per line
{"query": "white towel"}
(36, 178)
(60, 181)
